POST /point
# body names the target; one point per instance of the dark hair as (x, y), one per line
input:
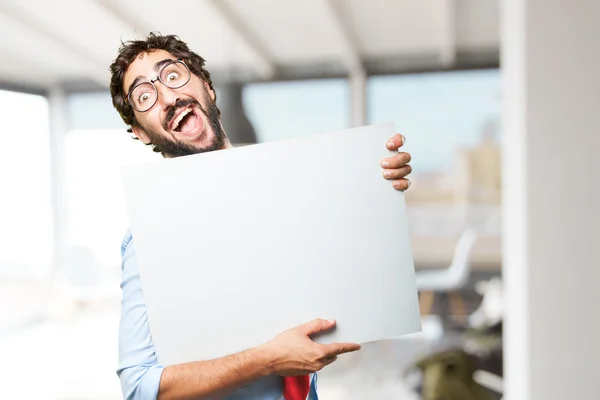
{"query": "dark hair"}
(131, 49)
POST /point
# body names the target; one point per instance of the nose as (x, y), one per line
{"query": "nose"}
(166, 96)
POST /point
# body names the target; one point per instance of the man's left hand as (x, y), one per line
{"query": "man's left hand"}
(396, 168)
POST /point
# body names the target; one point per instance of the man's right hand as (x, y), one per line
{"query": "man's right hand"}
(293, 352)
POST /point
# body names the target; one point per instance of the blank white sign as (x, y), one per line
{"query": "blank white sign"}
(238, 245)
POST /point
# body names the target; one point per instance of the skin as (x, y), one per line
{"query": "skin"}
(290, 353)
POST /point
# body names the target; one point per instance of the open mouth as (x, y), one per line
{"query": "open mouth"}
(186, 122)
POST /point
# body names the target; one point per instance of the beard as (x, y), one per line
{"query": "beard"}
(173, 147)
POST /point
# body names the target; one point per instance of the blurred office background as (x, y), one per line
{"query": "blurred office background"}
(480, 137)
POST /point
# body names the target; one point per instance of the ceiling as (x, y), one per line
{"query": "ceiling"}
(70, 43)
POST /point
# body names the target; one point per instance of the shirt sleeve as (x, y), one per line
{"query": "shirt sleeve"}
(138, 369)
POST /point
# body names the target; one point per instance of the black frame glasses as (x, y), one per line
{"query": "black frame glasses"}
(158, 78)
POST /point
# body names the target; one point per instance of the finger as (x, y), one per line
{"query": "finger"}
(335, 349)
(395, 142)
(396, 161)
(401, 184)
(397, 173)
(317, 325)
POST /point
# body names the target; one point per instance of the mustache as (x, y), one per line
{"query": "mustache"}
(179, 104)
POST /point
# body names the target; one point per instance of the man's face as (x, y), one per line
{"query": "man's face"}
(184, 120)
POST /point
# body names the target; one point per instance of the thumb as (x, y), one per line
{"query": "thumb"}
(317, 325)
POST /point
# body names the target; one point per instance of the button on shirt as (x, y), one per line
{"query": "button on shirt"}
(139, 370)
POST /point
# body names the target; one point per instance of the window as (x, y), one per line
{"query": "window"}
(25, 205)
(439, 113)
(451, 121)
(284, 110)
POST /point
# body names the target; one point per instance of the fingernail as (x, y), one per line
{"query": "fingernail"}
(403, 140)
(385, 164)
(408, 181)
(387, 174)
(390, 145)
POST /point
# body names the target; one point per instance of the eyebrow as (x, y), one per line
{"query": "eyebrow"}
(157, 66)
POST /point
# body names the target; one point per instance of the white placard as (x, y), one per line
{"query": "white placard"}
(235, 246)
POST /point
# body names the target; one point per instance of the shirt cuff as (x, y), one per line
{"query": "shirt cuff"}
(151, 382)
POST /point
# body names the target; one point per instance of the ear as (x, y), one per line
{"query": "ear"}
(209, 90)
(140, 134)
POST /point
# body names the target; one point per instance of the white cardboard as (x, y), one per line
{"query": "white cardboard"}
(236, 246)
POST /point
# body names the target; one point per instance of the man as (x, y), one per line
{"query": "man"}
(162, 91)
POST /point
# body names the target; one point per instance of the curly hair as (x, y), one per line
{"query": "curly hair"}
(131, 49)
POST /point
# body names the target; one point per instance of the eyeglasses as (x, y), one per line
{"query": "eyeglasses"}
(173, 75)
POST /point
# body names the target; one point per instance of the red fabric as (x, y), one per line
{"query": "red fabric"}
(296, 387)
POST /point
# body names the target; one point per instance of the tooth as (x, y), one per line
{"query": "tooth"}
(180, 117)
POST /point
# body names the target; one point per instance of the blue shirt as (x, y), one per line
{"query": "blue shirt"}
(139, 370)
